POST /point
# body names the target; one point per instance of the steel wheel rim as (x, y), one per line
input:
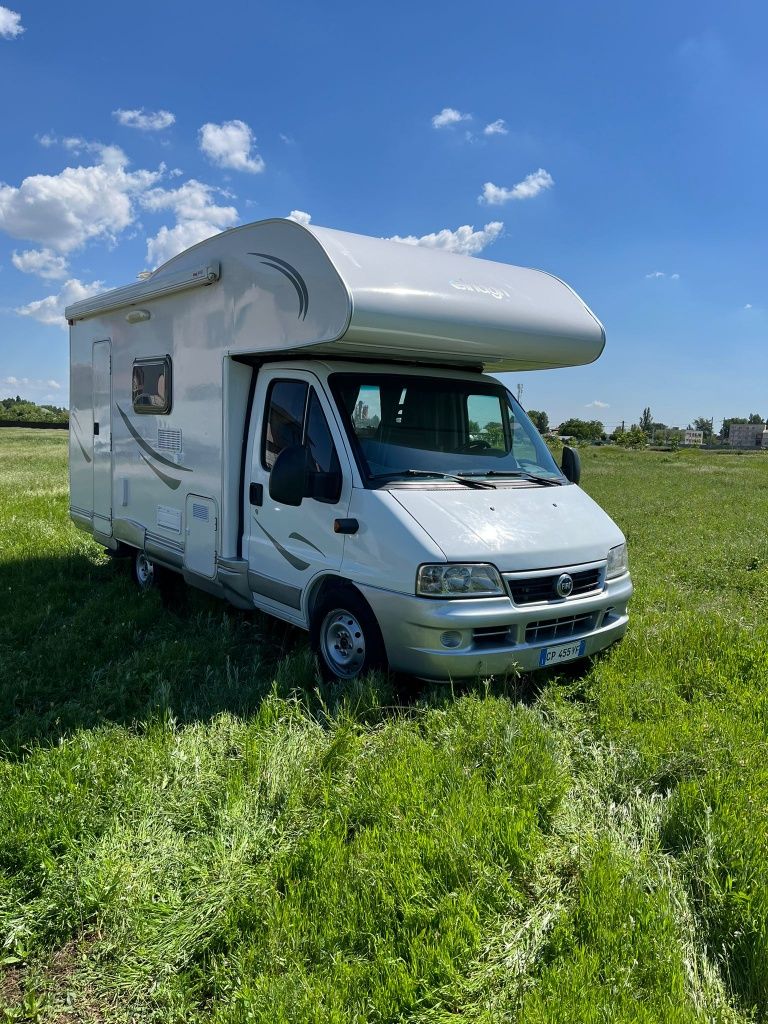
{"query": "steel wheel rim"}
(145, 571)
(342, 643)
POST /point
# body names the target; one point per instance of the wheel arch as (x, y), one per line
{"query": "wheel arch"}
(319, 587)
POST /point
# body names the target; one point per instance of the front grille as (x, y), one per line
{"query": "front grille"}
(492, 636)
(538, 589)
(546, 630)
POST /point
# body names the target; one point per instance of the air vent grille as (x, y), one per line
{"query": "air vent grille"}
(168, 439)
(200, 512)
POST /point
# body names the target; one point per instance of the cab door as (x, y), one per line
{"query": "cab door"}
(288, 546)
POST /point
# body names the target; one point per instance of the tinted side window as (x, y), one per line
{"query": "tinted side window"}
(285, 418)
(151, 386)
(322, 451)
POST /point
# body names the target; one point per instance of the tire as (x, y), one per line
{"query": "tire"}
(146, 574)
(345, 635)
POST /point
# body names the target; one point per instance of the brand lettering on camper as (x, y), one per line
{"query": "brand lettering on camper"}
(293, 276)
(481, 289)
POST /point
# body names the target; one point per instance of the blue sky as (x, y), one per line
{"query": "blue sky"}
(628, 157)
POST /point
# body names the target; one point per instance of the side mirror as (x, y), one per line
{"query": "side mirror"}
(288, 479)
(324, 486)
(571, 465)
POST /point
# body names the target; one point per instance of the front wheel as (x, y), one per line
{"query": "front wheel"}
(345, 635)
(145, 572)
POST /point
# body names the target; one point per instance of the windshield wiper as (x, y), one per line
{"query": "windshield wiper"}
(434, 473)
(522, 473)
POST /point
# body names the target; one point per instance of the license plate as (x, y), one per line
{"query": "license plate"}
(563, 652)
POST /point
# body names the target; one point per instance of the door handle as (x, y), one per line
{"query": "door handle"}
(256, 494)
(95, 429)
(345, 526)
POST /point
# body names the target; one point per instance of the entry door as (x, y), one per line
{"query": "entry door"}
(288, 546)
(102, 437)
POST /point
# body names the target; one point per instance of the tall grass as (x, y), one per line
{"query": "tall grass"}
(194, 828)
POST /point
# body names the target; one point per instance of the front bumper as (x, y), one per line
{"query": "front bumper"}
(495, 636)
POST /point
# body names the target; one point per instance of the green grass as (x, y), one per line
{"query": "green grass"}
(194, 828)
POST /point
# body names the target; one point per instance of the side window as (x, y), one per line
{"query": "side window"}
(486, 422)
(366, 415)
(323, 457)
(151, 386)
(284, 423)
(522, 444)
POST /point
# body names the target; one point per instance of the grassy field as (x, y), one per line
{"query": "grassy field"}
(193, 828)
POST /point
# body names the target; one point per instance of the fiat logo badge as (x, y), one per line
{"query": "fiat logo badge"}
(564, 585)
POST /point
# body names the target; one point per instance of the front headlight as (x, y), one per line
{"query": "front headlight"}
(617, 562)
(458, 581)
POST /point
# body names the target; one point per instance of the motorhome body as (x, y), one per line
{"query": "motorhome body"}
(297, 419)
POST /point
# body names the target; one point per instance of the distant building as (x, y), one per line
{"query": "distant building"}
(694, 437)
(748, 435)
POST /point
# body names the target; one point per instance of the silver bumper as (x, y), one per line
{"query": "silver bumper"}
(495, 636)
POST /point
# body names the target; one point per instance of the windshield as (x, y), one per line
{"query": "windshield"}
(408, 424)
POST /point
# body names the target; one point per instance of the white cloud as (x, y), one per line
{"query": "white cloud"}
(12, 386)
(42, 262)
(151, 121)
(10, 24)
(449, 116)
(464, 240)
(748, 305)
(300, 217)
(197, 218)
(229, 145)
(655, 275)
(50, 310)
(597, 404)
(496, 195)
(498, 127)
(64, 211)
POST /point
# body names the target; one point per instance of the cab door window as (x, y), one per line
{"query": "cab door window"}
(295, 416)
(323, 458)
(284, 423)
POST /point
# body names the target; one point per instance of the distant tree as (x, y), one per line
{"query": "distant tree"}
(755, 417)
(632, 438)
(540, 420)
(659, 431)
(646, 420)
(28, 412)
(705, 425)
(582, 430)
(493, 433)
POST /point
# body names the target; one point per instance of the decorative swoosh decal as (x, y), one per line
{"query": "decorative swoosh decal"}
(149, 449)
(76, 428)
(293, 276)
(297, 563)
(298, 536)
(167, 480)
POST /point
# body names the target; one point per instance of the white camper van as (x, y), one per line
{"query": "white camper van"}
(297, 419)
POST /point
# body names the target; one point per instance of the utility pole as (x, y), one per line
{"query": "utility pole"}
(520, 393)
